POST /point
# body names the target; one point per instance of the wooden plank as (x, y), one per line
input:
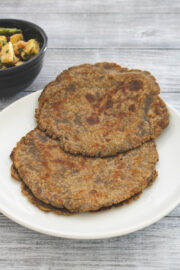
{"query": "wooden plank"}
(172, 99)
(100, 24)
(108, 30)
(90, 6)
(175, 212)
(164, 64)
(155, 247)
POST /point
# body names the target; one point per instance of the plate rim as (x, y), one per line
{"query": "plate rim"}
(91, 236)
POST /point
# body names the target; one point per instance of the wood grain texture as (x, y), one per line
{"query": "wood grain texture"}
(156, 247)
(89, 30)
(164, 64)
(137, 34)
(90, 6)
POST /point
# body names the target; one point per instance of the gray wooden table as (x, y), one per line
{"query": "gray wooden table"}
(137, 34)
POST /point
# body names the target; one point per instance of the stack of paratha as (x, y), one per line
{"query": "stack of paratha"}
(93, 146)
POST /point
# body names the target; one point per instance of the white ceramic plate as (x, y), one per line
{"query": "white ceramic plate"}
(154, 203)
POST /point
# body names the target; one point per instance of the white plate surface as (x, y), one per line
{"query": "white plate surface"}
(153, 204)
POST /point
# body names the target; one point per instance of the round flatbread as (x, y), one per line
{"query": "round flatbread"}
(62, 211)
(78, 183)
(102, 109)
(30, 196)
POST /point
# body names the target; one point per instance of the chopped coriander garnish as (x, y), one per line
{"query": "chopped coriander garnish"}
(32, 49)
(26, 55)
(2, 42)
(14, 50)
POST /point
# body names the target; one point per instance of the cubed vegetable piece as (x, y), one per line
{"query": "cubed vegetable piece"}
(16, 60)
(19, 63)
(3, 67)
(15, 38)
(3, 41)
(19, 47)
(7, 54)
(25, 56)
(32, 47)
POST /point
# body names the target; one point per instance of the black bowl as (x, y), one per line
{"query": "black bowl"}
(18, 78)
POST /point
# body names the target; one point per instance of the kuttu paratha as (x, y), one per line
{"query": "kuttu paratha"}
(102, 109)
(62, 211)
(78, 183)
